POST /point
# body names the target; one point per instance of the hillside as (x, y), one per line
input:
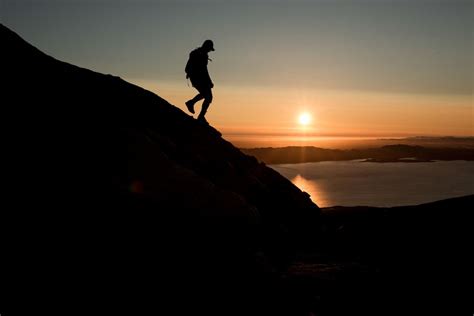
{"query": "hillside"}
(165, 201)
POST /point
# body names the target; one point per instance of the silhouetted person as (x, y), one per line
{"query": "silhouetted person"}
(196, 71)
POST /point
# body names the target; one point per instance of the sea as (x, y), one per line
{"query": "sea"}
(359, 183)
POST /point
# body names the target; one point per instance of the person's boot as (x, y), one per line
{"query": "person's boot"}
(202, 119)
(190, 106)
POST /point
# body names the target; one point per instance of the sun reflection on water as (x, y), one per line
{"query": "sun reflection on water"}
(311, 187)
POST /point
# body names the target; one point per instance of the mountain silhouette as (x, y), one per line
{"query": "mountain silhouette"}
(171, 206)
(176, 156)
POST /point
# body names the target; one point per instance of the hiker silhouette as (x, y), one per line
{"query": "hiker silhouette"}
(196, 71)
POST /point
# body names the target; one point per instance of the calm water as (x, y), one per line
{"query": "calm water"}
(352, 183)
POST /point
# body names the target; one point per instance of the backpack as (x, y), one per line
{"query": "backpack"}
(190, 64)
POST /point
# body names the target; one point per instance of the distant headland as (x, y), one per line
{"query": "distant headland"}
(389, 153)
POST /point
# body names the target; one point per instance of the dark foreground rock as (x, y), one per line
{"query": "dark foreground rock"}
(413, 260)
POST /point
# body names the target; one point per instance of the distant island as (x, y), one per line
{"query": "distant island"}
(389, 153)
(431, 141)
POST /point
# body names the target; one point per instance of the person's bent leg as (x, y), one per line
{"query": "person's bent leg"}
(207, 102)
(190, 103)
(197, 98)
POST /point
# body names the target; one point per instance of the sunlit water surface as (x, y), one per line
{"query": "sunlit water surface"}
(355, 183)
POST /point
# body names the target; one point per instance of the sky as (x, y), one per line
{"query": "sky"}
(358, 68)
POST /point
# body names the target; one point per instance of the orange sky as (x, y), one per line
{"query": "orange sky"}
(244, 110)
(360, 68)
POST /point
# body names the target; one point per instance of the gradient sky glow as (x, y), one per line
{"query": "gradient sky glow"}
(381, 68)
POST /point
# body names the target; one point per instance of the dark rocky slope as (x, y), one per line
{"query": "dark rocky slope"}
(171, 206)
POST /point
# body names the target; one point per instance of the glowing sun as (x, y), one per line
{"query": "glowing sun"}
(304, 119)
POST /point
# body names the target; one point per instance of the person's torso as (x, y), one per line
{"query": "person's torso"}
(199, 61)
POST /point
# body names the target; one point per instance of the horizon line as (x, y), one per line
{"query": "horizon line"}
(316, 135)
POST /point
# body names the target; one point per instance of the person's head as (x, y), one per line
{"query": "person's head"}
(208, 45)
